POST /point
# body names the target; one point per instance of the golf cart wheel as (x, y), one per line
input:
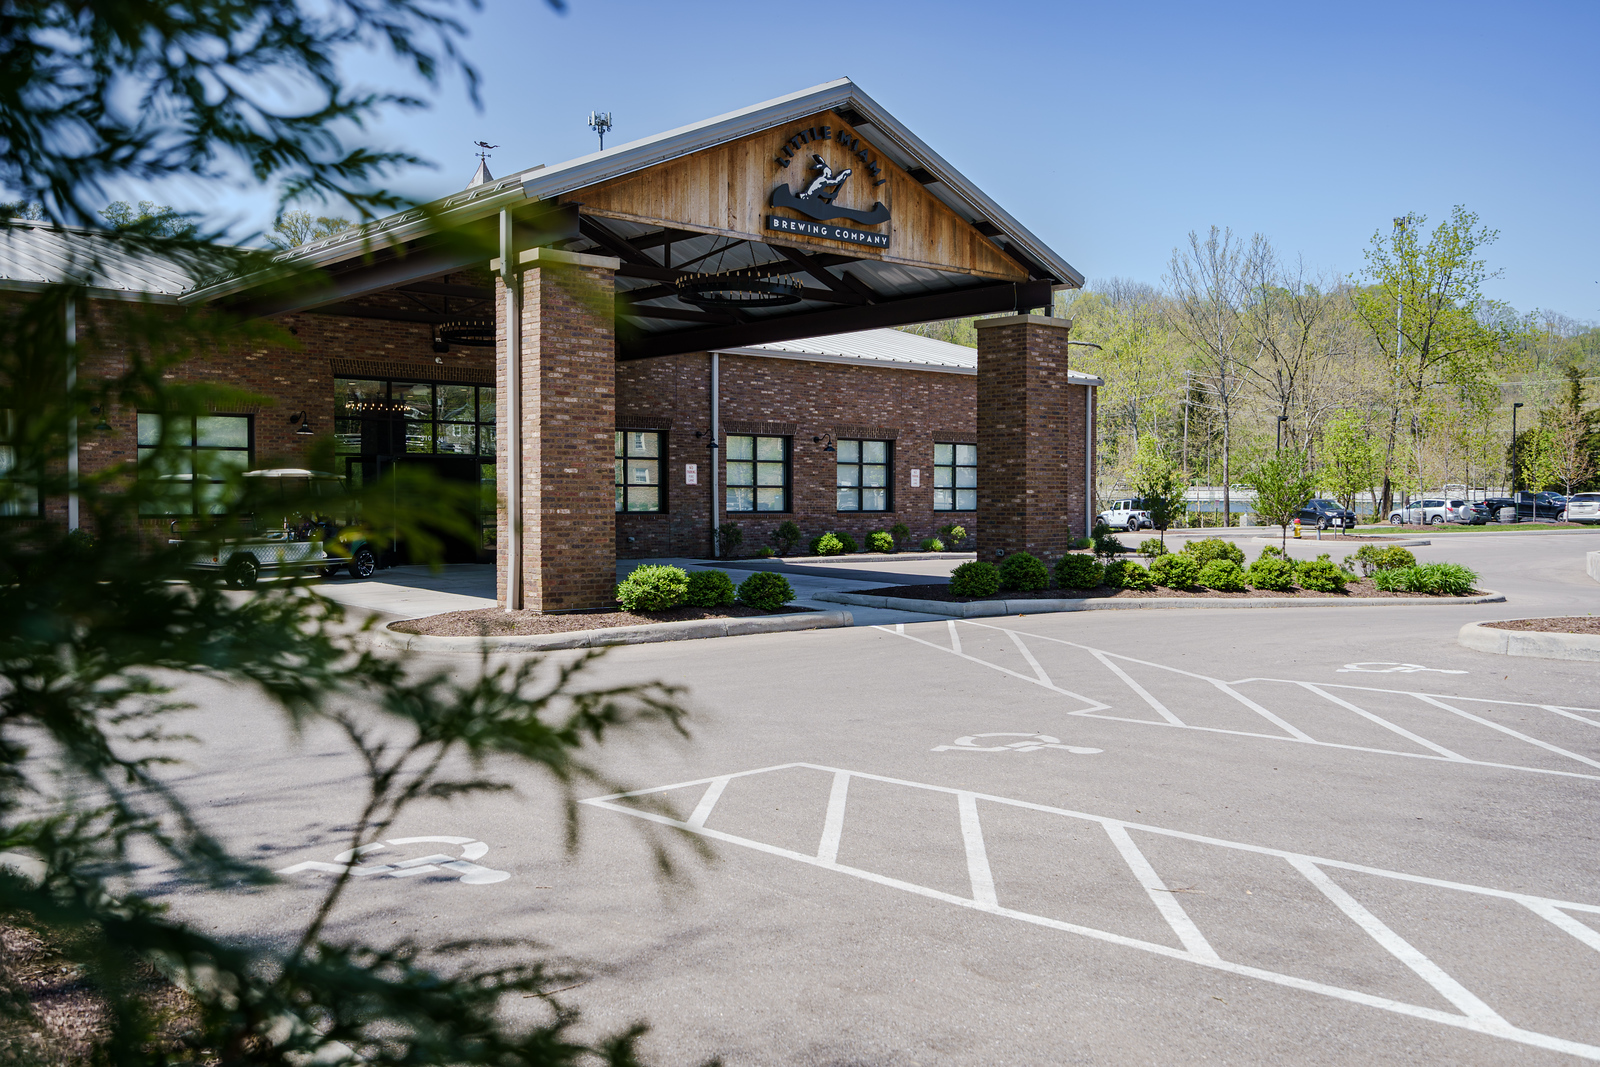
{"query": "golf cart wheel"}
(363, 563)
(241, 572)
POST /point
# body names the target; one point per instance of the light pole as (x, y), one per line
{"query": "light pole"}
(1281, 420)
(1514, 464)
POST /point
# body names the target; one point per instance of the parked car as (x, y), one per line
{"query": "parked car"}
(1434, 511)
(315, 537)
(1126, 515)
(1495, 503)
(1326, 515)
(1546, 506)
(1480, 513)
(1584, 508)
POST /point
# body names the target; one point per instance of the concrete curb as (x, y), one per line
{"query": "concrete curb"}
(985, 608)
(853, 557)
(1481, 638)
(1593, 559)
(1386, 543)
(692, 630)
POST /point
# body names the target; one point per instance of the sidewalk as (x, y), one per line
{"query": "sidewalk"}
(413, 592)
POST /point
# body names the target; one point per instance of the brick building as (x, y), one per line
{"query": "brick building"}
(577, 337)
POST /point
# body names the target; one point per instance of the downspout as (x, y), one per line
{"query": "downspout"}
(716, 437)
(513, 409)
(1088, 460)
(72, 412)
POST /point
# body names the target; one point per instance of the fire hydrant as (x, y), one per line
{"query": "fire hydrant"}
(1297, 529)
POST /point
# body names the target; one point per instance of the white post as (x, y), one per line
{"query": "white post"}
(72, 413)
(512, 428)
(716, 431)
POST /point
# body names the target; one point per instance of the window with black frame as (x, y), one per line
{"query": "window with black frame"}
(757, 473)
(862, 478)
(639, 485)
(192, 456)
(955, 477)
(376, 417)
(19, 494)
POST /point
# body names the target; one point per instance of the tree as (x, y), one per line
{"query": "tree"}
(148, 218)
(1160, 486)
(1283, 483)
(1571, 461)
(1211, 284)
(1424, 308)
(295, 228)
(1350, 461)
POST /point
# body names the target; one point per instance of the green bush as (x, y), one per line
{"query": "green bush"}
(729, 537)
(953, 534)
(975, 578)
(1078, 571)
(900, 531)
(1126, 574)
(932, 544)
(1022, 571)
(1223, 575)
(880, 541)
(710, 589)
(1273, 572)
(1429, 579)
(1369, 559)
(1153, 547)
(765, 591)
(851, 547)
(1210, 548)
(1320, 575)
(1175, 570)
(1273, 552)
(1106, 543)
(786, 536)
(826, 545)
(653, 587)
(765, 552)
(1078, 544)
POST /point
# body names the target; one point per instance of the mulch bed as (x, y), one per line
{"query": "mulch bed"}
(1355, 590)
(1570, 624)
(497, 622)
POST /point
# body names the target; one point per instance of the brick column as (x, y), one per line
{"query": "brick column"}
(1026, 438)
(568, 387)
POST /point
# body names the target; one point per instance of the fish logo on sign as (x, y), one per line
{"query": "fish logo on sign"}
(471, 873)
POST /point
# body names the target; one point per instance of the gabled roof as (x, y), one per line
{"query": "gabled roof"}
(34, 255)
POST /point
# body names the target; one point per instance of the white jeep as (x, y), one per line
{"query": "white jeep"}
(1123, 515)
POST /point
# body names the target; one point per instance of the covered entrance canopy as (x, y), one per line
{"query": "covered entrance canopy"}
(817, 213)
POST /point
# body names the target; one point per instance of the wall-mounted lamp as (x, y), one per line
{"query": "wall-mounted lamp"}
(828, 437)
(101, 426)
(305, 423)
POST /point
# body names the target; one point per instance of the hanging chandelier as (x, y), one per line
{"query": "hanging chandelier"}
(469, 333)
(739, 288)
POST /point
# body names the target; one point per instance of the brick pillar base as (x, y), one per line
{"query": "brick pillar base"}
(568, 384)
(1026, 438)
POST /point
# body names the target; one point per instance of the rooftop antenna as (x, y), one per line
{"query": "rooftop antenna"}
(600, 122)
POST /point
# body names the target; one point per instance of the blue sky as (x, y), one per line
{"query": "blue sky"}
(1110, 130)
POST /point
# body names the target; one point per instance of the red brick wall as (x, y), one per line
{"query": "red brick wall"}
(819, 398)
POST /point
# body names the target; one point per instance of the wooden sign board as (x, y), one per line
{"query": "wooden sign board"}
(728, 190)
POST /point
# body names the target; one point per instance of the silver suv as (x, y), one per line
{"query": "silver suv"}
(1583, 507)
(1433, 511)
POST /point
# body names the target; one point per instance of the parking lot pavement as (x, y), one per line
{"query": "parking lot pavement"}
(1075, 838)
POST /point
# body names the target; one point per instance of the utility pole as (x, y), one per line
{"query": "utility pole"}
(600, 123)
(1514, 463)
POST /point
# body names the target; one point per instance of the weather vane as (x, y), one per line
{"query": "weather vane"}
(600, 122)
(483, 157)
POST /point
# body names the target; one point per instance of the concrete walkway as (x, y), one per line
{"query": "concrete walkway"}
(413, 592)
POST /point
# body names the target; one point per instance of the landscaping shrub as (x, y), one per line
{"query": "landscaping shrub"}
(849, 543)
(710, 589)
(953, 534)
(1175, 570)
(1369, 559)
(1223, 575)
(1126, 574)
(900, 531)
(1153, 547)
(1078, 571)
(786, 536)
(765, 591)
(976, 578)
(1273, 552)
(826, 545)
(1320, 575)
(1431, 579)
(1272, 571)
(1022, 571)
(1105, 542)
(880, 541)
(729, 537)
(653, 587)
(1077, 544)
(932, 544)
(1210, 548)
(765, 552)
